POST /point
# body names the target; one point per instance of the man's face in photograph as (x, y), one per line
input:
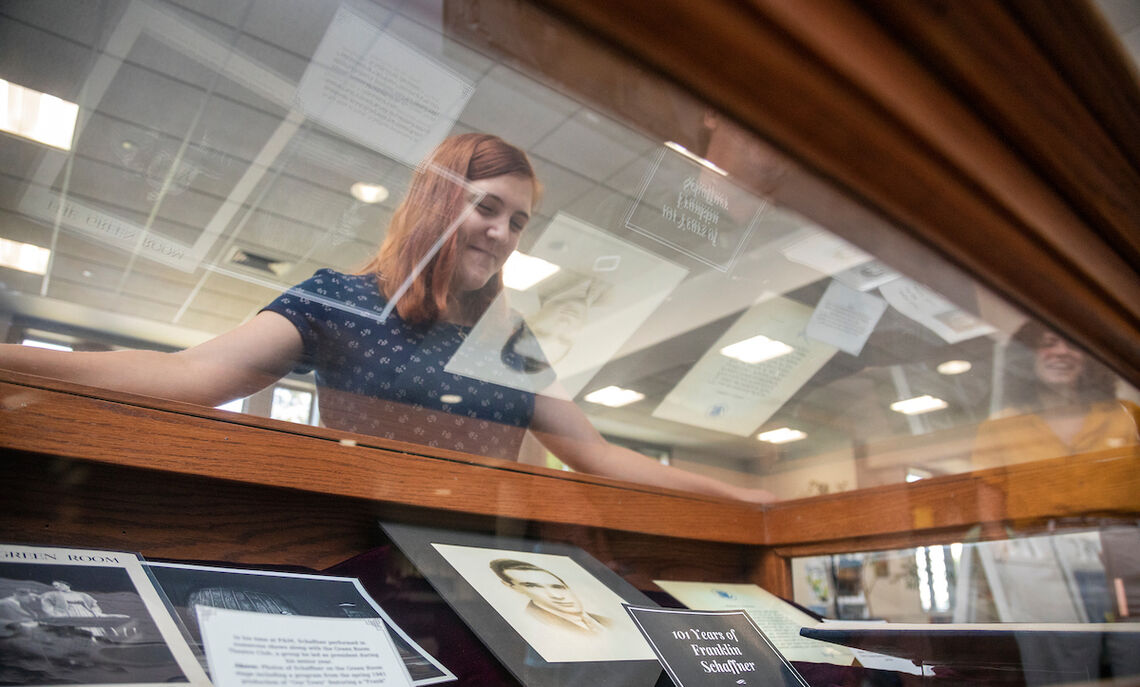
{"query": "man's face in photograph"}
(546, 591)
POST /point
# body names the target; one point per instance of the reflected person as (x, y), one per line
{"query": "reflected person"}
(386, 377)
(1059, 402)
(550, 600)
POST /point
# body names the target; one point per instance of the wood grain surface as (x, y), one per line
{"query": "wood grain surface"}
(113, 470)
(178, 438)
(969, 125)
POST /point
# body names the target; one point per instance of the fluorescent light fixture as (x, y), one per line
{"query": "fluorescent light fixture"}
(678, 148)
(954, 367)
(36, 343)
(782, 435)
(451, 399)
(522, 271)
(918, 405)
(24, 256)
(757, 349)
(614, 396)
(37, 116)
(368, 193)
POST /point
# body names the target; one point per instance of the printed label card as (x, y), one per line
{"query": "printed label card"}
(694, 210)
(713, 648)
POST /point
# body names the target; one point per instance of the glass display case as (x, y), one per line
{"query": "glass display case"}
(836, 300)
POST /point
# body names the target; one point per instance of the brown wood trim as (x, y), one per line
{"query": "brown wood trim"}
(157, 436)
(1079, 43)
(774, 573)
(1101, 484)
(70, 502)
(1056, 244)
(999, 72)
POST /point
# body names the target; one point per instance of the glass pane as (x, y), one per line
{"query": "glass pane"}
(683, 287)
(1070, 577)
(291, 405)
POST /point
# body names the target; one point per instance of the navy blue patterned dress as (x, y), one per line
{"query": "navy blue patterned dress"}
(387, 379)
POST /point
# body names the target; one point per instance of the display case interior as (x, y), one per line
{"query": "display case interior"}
(851, 316)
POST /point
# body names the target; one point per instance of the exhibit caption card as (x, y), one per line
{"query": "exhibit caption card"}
(713, 648)
(188, 589)
(247, 648)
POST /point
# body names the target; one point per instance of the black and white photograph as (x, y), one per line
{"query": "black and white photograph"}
(189, 587)
(80, 617)
(550, 612)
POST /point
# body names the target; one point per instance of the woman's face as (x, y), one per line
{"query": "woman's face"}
(1057, 364)
(490, 232)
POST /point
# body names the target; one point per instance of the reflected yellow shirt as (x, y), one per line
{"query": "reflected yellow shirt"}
(1028, 437)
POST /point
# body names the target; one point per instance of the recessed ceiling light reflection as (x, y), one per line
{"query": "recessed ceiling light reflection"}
(782, 435)
(24, 256)
(756, 350)
(954, 367)
(522, 271)
(918, 405)
(37, 116)
(614, 396)
(368, 193)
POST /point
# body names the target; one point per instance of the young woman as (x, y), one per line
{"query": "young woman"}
(1058, 403)
(385, 375)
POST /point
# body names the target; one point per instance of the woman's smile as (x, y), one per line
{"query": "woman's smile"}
(490, 232)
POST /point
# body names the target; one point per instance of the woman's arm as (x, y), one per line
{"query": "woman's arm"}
(563, 428)
(232, 365)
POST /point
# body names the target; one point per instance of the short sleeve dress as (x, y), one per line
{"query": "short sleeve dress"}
(385, 377)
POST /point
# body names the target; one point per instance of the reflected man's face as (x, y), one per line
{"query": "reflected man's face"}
(557, 325)
(1057, 363)
(545, 590)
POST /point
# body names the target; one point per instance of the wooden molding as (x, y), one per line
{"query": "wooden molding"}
(42, 417)
(969, 125)
(178, 438)
(977, 505)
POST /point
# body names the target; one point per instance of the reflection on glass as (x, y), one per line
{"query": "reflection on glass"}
(235, 406)
(1060, 578)
(37, 116)
(220, 163)
(1054, 401)
(25, 257)
(291, 405)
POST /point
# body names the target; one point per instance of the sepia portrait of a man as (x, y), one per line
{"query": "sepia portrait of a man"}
(556, 606)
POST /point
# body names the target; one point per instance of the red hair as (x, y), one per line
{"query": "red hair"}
(433, 203)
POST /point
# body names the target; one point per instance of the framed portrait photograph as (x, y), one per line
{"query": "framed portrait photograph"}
(550, 612)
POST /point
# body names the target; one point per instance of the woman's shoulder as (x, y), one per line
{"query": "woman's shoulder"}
(330, 282)
(327, 275)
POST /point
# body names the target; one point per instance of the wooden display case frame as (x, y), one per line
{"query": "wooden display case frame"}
(996, 136)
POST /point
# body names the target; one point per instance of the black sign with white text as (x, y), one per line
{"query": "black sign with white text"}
(713, 648)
